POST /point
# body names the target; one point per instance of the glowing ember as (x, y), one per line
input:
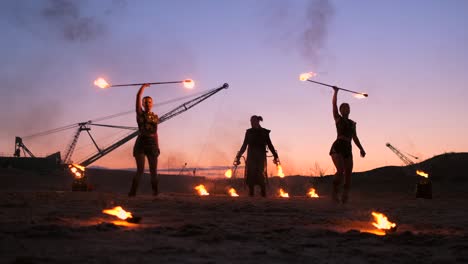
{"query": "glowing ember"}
(233, 192)
(360, 96)
(283, 194)
(228, 173)
(307, 75)
(201, 190)
(189, 83)
(422, 174)
(381, 222)
(119, 212)
(280, 170)
(101, 83)
(312, 193)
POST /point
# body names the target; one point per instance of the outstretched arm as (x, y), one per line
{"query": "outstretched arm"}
(336, 115)
(358, 143)
(138, 108)
(273, 150)
(241, 151)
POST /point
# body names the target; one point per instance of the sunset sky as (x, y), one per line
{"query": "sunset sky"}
(411, 57)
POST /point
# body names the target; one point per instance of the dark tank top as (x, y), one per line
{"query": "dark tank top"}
(147, 123)
(345, 127)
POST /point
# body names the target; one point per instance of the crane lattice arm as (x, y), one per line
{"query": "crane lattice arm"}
(176, 111)
(405, 159)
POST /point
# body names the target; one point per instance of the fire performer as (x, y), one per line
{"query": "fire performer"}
(256, 138)
(147, 143)
(341, 151)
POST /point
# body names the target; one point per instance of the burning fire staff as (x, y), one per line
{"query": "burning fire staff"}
(256, 138)
(341, 151)
(146, 143)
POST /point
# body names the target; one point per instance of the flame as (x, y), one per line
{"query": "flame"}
(381, 221)
(189, 83)
(201, 190)
(233, 192)
(360, 96)
(228, 173)
(101, 83)
(312, 193)
(77, 170)
(119, 212)
(307, 75)
(422, 174)
(283, 194)
(280, 170)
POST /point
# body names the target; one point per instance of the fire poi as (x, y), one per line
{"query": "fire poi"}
(102, 83)
(306, 77)
(120, 213)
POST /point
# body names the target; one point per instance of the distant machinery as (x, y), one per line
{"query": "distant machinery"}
(424, 184)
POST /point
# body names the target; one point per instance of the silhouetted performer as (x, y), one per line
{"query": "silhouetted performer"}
(256, 138)
(341, 151)
(146, 143)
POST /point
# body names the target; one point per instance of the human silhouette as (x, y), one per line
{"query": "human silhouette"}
(255, 141)
(341, 151)
(146, 144)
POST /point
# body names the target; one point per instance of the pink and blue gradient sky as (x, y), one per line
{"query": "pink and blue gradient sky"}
(410, 56)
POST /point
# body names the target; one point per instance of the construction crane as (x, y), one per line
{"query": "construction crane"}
(402, 156)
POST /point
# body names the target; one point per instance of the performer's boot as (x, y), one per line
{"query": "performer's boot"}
(251, 190)
(263, 190)
(335, 192)
(133, 189)
(154, 185)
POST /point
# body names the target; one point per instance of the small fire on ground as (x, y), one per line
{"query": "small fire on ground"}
(119, 212)
(312, 193)
(382, 224)
(422, 174)
(201, 190)
(283, 194)
(233, 193)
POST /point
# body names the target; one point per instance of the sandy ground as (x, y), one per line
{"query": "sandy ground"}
(68, 227)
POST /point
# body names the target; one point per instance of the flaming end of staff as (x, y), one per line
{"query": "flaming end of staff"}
(280, 171)
(101, 83)
(189, 84)
(361, 95)
(307, 75)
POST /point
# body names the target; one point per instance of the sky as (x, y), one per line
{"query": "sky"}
(409, 56)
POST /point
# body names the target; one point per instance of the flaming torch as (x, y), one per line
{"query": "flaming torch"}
(102, 83)
(119, 212)
(306, 77)
(312, 193)
(424, 185)
(228, 173)
(280, 170)
(382, 224)
(201, 190)
(283, 194)
(233, 193)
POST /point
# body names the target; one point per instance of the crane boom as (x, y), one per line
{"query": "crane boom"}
(405, 159)
(174, 112)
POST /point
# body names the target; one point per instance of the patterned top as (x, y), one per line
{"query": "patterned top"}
(147, 123)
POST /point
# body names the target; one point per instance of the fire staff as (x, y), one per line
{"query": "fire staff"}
(341, 151)
(146, 144)
(256, 139)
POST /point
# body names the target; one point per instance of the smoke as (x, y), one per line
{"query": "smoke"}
(302, 28)
(314, 34)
